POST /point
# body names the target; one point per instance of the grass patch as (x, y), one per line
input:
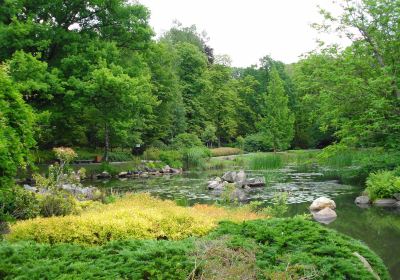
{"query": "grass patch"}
(291, 248)
(225, 151)
(265, 161)
(136, 216)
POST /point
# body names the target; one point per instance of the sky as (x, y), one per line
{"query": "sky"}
(246, 30)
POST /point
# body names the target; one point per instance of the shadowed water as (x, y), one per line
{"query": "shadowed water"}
(378, 228)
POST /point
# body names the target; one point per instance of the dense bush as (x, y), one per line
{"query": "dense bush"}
(299, 249)
(58, 204)
(131, 259)
(256, 143)
(172, 158)
(137, 216)
(383, 184)
(17, 203)
(119, 156)
(151, 154)
(262, 249)
(225, 151)
(186, 140)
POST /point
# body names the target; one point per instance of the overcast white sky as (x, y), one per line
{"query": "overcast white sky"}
(245, 30)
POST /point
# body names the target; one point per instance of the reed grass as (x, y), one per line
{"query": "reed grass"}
(265, 161)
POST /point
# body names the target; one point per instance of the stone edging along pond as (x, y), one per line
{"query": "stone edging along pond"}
(364, 201)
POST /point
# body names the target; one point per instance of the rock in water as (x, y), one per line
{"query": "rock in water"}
(238, 195)
(325, 216)
(385, 202)
(123, 174)
(397, 196)
(255, 182)
(240, 179)
(362, 200)
(321, 203)
(229, 176)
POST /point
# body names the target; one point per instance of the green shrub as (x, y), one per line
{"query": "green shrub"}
(17, 203)
(256, 143)
(296, 248)
(133, 259)
(292, 248)
(225, 151)
(151, 154)
(265, 161)
(172, 158)
(383, 184)
(59, 204)
(119, 156)
(107, 167)
(186, 140)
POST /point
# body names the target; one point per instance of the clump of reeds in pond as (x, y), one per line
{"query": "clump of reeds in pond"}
(265, 161)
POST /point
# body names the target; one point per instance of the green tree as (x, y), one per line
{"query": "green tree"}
(277, 121)
(118, 102)
(16, 125)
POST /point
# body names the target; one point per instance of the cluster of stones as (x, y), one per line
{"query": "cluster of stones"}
(237, 179)
(323, 210)
(139, 173)
(365, 201)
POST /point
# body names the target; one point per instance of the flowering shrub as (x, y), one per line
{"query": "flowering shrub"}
(133, 217)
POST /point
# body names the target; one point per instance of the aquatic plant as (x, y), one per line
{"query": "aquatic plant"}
(195, 157)
(265, 161)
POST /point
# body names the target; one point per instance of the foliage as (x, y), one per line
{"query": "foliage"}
(137, 259)
(186, 140)
(195, 157)
(296, 249)
(292, 248)
(58, 204)
(60, 173)
(277, 120)
(256, 143)
(133, 217)
(152, 154)
(225, 151)
(172, 158)
(383, 184)
(16, 125)
(17, 203)
(279, 205)
(265, 161)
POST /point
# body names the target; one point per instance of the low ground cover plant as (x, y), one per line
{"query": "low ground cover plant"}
(291, 248)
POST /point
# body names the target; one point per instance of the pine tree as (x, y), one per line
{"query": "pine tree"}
(277, 121)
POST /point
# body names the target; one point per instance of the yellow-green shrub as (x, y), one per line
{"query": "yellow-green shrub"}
(133, 217)
(225, 151)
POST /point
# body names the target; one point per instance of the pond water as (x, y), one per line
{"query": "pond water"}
(377, 227)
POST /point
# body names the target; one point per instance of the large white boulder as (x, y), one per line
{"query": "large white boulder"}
(326, 215)
(321, 203)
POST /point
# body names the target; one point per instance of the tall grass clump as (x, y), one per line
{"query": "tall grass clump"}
(195, 158)
(265, 161)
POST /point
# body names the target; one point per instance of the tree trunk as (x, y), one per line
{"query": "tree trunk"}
(106, 142)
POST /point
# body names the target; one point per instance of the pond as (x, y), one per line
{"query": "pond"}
(379, 228)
